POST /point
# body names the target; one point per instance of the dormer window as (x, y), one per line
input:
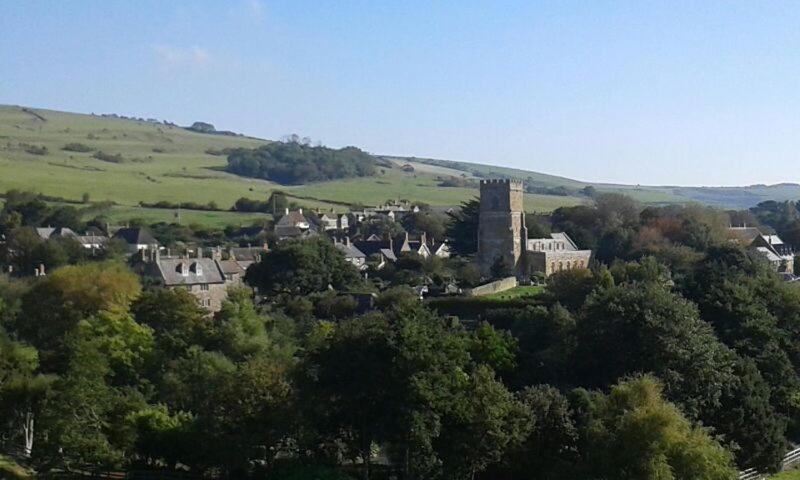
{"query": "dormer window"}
(182, 269)
(196, 268)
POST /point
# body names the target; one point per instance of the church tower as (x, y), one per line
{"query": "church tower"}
(501, 230)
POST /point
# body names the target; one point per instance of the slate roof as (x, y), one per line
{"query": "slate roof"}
(230, 267)
(170, 271)
(49, 232)
(135, 236)
(350, 250)
(370, 247)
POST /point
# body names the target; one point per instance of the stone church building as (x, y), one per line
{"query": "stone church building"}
(503, 236)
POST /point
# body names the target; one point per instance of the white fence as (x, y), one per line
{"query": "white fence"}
(789, 460)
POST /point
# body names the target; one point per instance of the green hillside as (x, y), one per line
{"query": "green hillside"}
(131, 161)
(156, 162)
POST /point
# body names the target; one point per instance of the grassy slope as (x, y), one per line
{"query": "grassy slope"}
(169, 163)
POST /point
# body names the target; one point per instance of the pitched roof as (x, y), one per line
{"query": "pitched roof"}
(350, 250)
(135, 236)
(230, 267)
(563, 237)
(292, 219)
(370, 248)
(49, 232)
(198, 271)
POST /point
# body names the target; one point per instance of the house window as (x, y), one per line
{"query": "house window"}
(560, 266)
(553, 267)
(581, 264)
(568, 265)
(204, 287)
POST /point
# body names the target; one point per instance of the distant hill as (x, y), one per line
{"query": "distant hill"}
(129, 161)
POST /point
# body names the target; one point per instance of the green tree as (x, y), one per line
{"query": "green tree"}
(462, 229)
(56, 303)
(303, 267)
(635, 434)
(22, 392)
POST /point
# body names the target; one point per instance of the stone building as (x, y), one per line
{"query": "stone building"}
(502, 233)
(503, 236)
(559, 252)
(771, 247)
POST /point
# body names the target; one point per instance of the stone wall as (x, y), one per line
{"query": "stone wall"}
(492, 287)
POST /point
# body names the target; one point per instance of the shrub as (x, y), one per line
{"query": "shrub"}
(107, 157)
(36, 149)
(77, 147)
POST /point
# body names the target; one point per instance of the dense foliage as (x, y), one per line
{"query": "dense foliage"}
(675, 356)
(296, 163)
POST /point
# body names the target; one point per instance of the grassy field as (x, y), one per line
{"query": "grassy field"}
(158, 162)
(120, 215)
(787, 475)
(165, 162)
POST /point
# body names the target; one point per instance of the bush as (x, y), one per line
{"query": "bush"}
(77, 147)
(107, 157)
(36, 149)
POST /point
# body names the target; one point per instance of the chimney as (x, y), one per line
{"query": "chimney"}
(231, 256)
(41, 270)
(157, 254)
(300, 211)
(423, 239)
(169, 254)
(199, 252)
(347, 241)
(216, 253)
(287, 211)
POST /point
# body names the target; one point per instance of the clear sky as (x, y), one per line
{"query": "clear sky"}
(687, 93)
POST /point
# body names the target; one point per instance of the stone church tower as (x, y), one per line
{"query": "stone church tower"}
(501, 231)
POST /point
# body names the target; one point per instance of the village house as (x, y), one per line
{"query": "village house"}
(294, 225)
(200, 276)
(91, 240)
(136, 239)
(208, 279)
(246, 256)
(330, 221)
(352, 255)
(771, 247)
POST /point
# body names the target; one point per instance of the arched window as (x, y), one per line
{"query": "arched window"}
(552, 267)
(197, 269)
(182, 269)
(568, 265)
(581, 263)
(560, 266)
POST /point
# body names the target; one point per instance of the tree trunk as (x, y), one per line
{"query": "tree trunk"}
(27, 430)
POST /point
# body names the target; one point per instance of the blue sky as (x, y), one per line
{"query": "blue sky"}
(685, 93)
